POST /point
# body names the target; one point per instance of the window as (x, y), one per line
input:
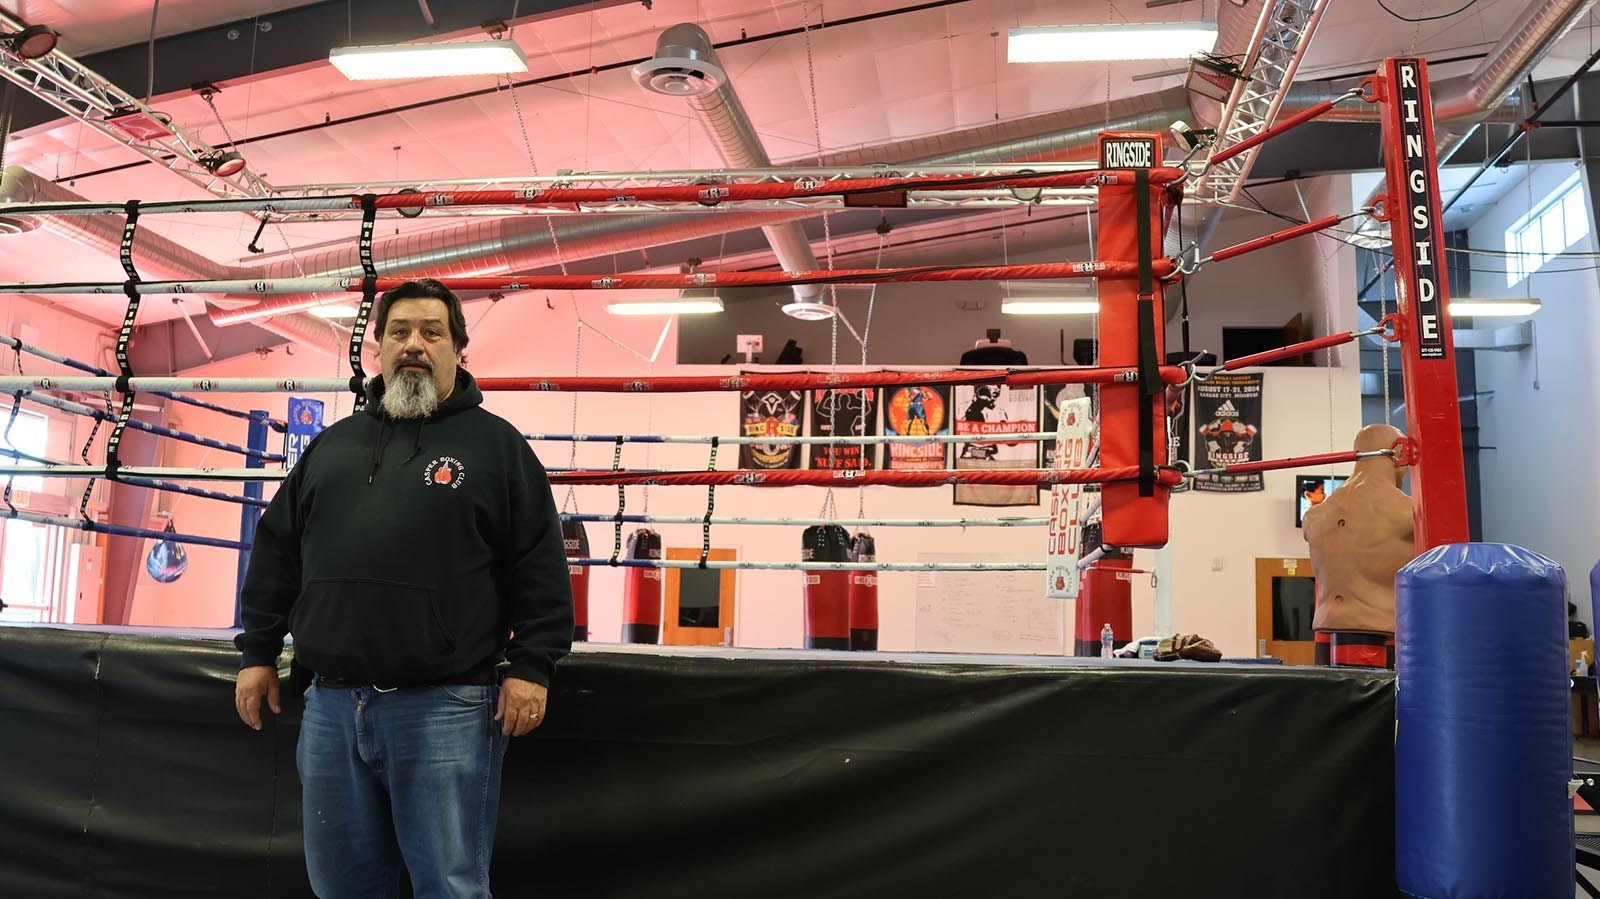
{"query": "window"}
(30, 554)
(29, 570)
(30, 436)
(1561, 221)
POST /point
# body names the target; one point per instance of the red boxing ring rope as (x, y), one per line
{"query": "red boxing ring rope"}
(1163, 268)
(1307, 346)
(800, 187)
(1295, 462)
(1170, 374)
(862, 478)
(715, 194)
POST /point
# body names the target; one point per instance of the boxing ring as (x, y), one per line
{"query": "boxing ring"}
(699, 772)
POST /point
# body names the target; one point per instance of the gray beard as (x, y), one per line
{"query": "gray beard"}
(412, 395)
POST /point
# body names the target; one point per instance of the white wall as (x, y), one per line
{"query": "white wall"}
(54, 327)
(1541, 411)
(1216, 537)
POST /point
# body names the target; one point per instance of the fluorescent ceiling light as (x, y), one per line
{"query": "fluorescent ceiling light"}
(1089, 43)
(700, 306)
(334, 310)
(1463, 308)
(1049, 307)
(429, 60)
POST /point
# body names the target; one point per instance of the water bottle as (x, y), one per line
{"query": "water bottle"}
(1106, 640)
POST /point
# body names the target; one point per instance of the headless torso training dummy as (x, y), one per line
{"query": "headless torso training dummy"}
(1360, 537)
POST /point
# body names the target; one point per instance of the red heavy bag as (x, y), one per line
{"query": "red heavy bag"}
(863, 594)
(1105, 598)
(641, 590)
(827, 592)
(576, 542)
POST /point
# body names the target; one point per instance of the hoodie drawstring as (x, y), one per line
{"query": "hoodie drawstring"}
(417, 447)
(383, 441)
(377, 448)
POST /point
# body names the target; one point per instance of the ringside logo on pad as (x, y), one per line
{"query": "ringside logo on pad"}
(1130, 150)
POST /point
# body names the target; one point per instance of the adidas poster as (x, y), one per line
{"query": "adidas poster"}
(1227, 430)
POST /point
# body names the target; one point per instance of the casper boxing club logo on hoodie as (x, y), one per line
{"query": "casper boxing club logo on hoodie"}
(445, 471)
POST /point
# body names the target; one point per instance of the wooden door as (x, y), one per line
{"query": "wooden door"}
(1285, 603)
(696, 604)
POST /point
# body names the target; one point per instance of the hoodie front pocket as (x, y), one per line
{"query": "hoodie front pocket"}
(385, 631)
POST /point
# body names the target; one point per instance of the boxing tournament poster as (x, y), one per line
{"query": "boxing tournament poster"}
(1227, 430)
(912, 412)
(989, 412)
(843, 413)
(775, 414)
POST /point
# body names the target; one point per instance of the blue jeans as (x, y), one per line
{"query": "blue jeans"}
(406, 776)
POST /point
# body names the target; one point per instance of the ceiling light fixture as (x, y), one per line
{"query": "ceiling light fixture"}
(223, 164)
(1212, 77)
(1045, 306)
(1101, 43)
(682, 306)
(371, 63)
(33, 41)
(1499, 308)
(334, 310)
(141, 124)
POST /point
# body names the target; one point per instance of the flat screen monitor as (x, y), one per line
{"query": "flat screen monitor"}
(1310, 490)
(1240, 342)
(699, 597)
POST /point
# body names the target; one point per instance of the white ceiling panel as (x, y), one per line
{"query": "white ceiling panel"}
(90, 26)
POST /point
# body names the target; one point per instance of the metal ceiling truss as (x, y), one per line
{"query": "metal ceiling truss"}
(61, 81)
(1282, 35)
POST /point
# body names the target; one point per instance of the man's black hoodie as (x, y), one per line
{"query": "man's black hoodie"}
(406, 551)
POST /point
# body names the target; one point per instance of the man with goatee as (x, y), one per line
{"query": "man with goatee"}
(415, 554)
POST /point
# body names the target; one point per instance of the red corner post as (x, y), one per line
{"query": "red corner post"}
(1131, 516)
(1427, 347)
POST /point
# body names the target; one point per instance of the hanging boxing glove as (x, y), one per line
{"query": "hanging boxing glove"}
(827, 593)
(863, 594)
(576, 542)
(641, 590)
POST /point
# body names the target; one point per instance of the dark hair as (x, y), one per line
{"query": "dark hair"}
(425, 289)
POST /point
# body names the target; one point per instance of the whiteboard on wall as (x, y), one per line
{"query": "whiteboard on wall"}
(987, 611)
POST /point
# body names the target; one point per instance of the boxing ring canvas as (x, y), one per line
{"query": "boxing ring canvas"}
(702, 772)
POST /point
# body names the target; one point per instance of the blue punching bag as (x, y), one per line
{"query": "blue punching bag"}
(1594, 605)
(1483, 747)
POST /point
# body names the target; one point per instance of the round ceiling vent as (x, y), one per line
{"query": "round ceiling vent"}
(679, 76)
(10, 225)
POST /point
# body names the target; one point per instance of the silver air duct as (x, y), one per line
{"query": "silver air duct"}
(156, 257)
(685, 65)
